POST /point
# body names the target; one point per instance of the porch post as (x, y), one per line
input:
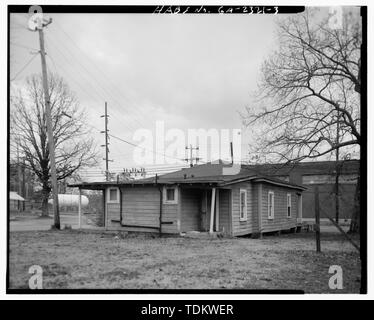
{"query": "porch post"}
(217, 210)
(212, 209)
(80, 209)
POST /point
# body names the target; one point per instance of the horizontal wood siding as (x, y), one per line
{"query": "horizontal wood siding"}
(242, 227)
(224, 211)
(280, 221)
(190, 213)
(141, 206)
(113, 218)
(255, 194)
(169, 214)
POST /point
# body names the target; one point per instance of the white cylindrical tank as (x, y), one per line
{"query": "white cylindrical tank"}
(70, 200)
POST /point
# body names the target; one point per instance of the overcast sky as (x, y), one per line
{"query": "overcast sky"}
(191, 71)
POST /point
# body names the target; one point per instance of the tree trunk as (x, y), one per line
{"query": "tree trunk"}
(355, 221)
(45, 195)
(337, 203)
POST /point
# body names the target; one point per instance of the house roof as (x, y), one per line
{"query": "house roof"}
(15, 196)
(217, 174)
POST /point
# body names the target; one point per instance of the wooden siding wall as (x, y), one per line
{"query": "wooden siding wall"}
(242, 227)
(255, 218)
(251, 225)
(280, 221)
(224, 211)
(170, 214)
(113, 214)
(190, 210)
(141, 207)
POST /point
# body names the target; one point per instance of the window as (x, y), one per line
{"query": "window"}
(113, 195)
(170, 195)
(289, 205)
(271, 205)
(243, 205)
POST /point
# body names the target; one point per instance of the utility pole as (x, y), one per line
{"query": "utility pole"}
(191, 159)
(41, 23)
(106, 145)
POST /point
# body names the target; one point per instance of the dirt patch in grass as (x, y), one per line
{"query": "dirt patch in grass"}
(73, 259)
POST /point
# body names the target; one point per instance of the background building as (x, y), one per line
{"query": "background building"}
(321, 174)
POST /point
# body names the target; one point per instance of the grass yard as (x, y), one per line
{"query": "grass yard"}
(73, 259)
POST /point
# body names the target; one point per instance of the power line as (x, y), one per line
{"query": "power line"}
(23, 46)
(143, 148)
(149, 150)
(24, 67)
(91, 75)
(132, 144)
(78, 83)
(100, 86)
(98, 90)
(94, 91)
(97, 68)
(135, 145)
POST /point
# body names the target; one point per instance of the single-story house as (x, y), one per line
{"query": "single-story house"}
(201, 198)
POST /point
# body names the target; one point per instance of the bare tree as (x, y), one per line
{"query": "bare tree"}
(308, 103)
(73, 147)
